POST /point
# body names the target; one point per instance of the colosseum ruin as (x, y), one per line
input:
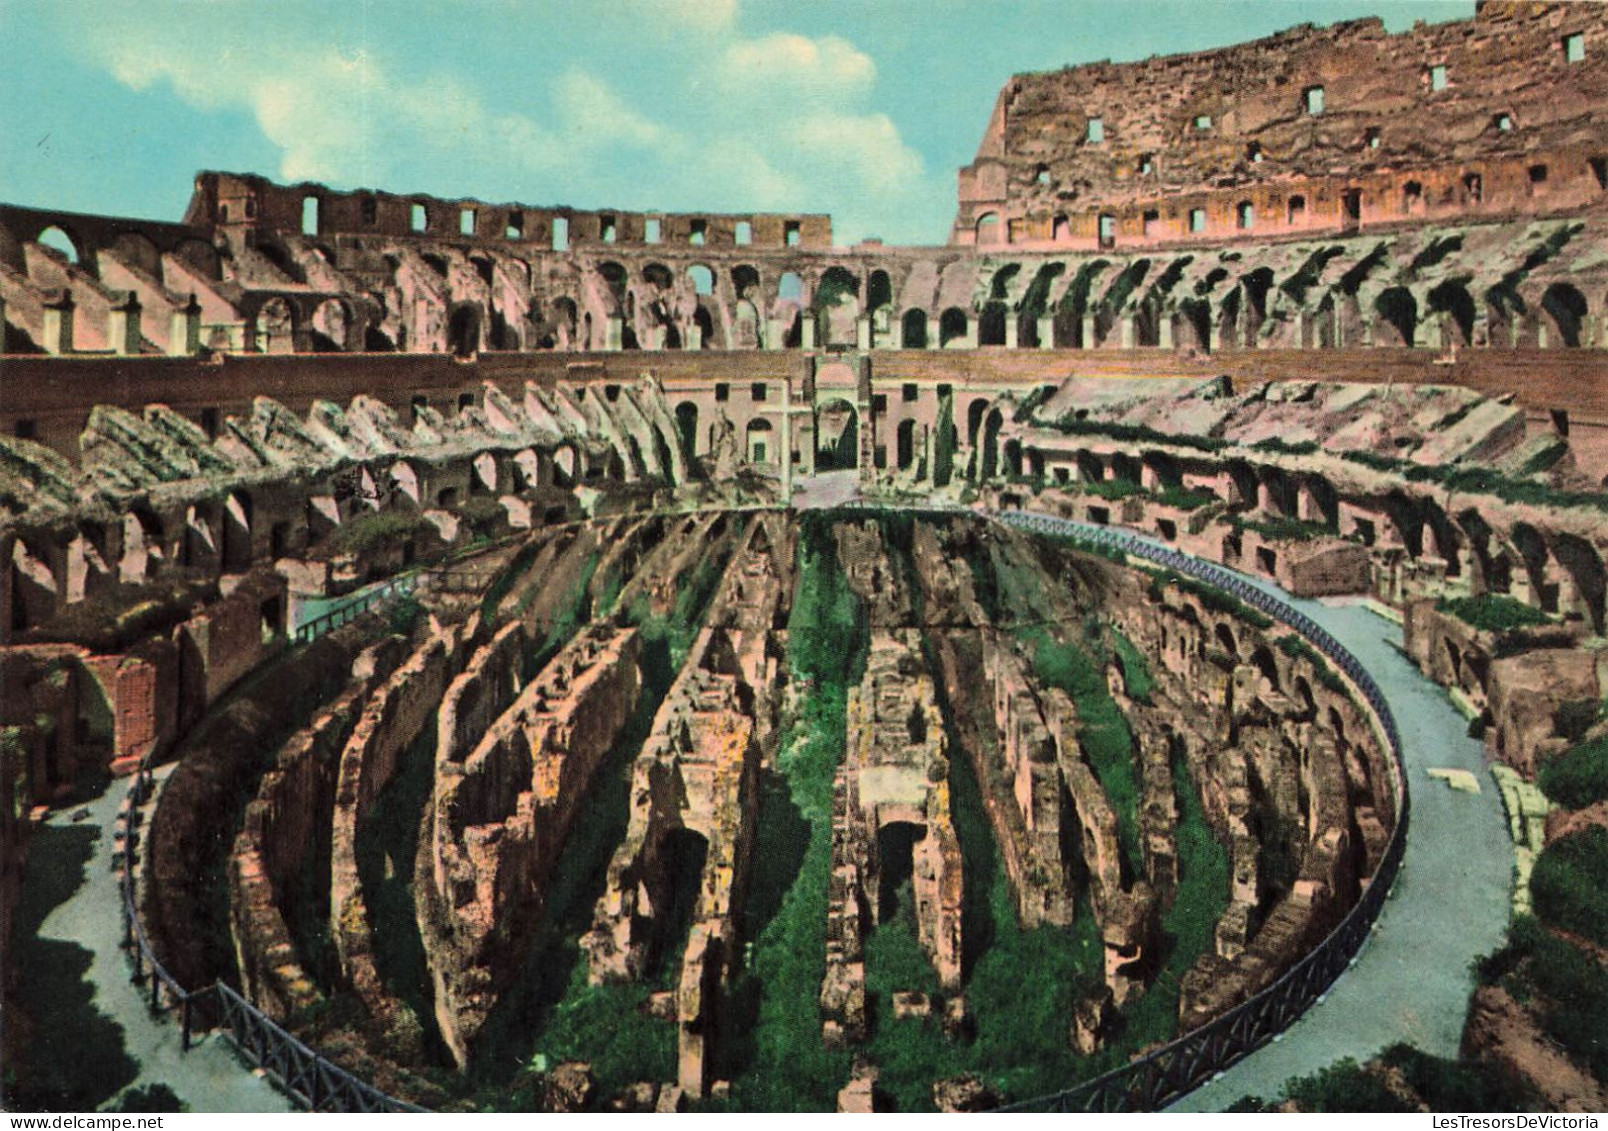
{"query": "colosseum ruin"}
(545, 659)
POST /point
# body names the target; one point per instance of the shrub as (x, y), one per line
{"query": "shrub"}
(1579, 777)
(151, 1098)
(1459, 1085)
(1572, 985)
(1568, 882)
(1345, 1086)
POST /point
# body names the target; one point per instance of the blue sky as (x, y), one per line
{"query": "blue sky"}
(860, 108)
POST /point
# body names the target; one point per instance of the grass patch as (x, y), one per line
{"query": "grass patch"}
(1492, 612)
(1279, 529)
(373, 529)
(1135, 670)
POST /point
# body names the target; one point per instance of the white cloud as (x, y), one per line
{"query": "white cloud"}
(830, 67)
(774, 122)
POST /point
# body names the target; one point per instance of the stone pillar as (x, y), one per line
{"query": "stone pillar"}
(58, 323)
(862, 332)
(1012, 332)
(787, 441)
(1300, 330)
(1367, 333)
(1543, 340)
(1434, 333)
(1164, 330)
(1087, 341)
(775, 334)
(123, 324)
(934, 332)
(868, 421)
(1046, 332)
(614, 332)
(806, 431)
(1127, 331)
(1211, 332)
(806, 329)
(1339, 327)
(184, 329)
(694, 336)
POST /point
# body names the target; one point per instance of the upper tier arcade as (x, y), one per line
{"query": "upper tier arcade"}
(1312, 129)
(233, 201)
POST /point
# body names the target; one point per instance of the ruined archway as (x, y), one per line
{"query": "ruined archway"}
(837, 435)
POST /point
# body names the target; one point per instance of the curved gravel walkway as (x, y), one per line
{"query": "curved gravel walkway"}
(1451, 901)
(210, 1077)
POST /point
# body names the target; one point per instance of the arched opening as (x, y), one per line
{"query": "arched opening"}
(905, 448)
(896, 845)
(988, 465)
(136, 251)
(566, 465)
(331, 327)
(687, 428)
(1013, 458)
(237, 518)
(276, 327)
(1295, 211)
(988, 229)
(837, 307)
(974, 419)
(33, 588)
(703, 279)
(952, 328)
(58, 240)
(675, 890)
(760, 442)
(483, 475)
(913, 330)
(837, 435)
(745, 327)
(463, 330)
(705, 322)
(309, 216)
(1452, 299)
(1399, 310)
(1566, 306)
(1225, 641)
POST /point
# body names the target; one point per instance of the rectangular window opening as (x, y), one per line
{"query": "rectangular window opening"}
(1096, 131)
(560, 233)
(908, 391)
(1197, 219)
(790, 233)
(758, 391)
(722, 392)
(745, 232)
(607, 229)
(698, 233)
(652, 231)
(1574, 47)
(1313, 97)
(417, 220)
(466, 221)
(515, 229)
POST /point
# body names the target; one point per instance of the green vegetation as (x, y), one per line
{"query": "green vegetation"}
(1135, 671)
(1279, 529)
(1342, 1087)
(1569, 879)
(1184, 498)
(1568, 988)
(1213, 599)
(1134, 433)
(484, 515)
(779, 1063)
(1491, 612)
(150, 1098)
(1279, 444)
(553, 1014)
(1111, 488)
(1297, 648)
(371, 530)
(1579, 777)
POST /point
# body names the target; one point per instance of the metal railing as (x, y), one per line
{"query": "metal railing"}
(1144, 1084)
(1157, 1078)
(313, 1081)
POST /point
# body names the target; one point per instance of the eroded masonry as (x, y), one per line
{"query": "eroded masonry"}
(535, 729)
